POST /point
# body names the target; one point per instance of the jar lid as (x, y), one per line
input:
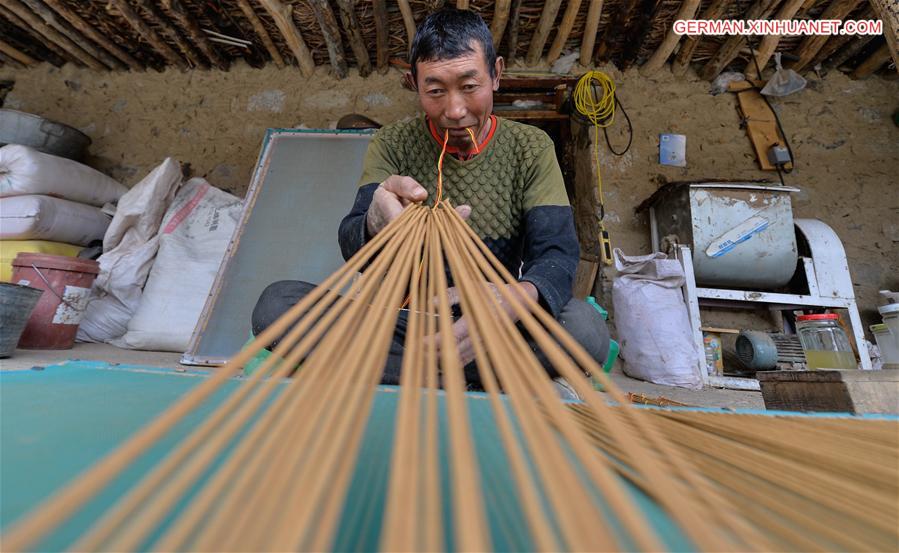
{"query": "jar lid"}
(819, 317)
(889, 309)
(879, 328)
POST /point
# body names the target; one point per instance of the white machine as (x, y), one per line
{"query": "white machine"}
(741, 248)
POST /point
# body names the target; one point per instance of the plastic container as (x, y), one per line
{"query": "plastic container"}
(888, 343)
(67, 280)
(50, 137)
(16, 304)
(9, 249)
(714, 359)
(890, 315)
(825, 342)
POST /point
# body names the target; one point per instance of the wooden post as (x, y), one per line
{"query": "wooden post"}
(260, 31)
(53, 35)
(331, 33)
(588, 41)
(408, 22)
(850, 51)
(87, 29)
(14, 54)
(61, 55)
(51, 19)
(769, 43)
(193, 31)
(541, 33)
(282, 15)
(513, 30)
(382, 35)
(761, 9)
(811, 45)
(353, 31)
(888, 12)
(568, 18)
(660, 56)
(500, 20)
(873, 63)
(685, 54)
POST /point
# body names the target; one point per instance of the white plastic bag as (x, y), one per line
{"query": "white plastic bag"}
(128, 250)
(193, 238)
(24, 170)
(652, 321)
(36, 217)
(784, 81)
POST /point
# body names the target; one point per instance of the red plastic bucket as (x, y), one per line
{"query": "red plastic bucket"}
(67, 283)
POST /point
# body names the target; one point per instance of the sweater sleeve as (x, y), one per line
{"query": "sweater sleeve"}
(550, 250)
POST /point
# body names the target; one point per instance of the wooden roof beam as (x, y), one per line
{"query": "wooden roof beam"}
(588, 40)
(618, 21)
(761, 9)
(811, 45)
(354, 33)
(874, 62)
(14, 54)
(660, 56)
(849, 51)
(382, 35)
(87, 29)
(331, 33)
(7, 60)
(408, 22)
(50, 18)
(568, 17)
(260, 31)
(61, 55)
(888, 10)
(282, 14)
(769, 44)
(541, 33)
(187, 22)
(147, 33)
(514, 24)
(54, 36)
(682, 60)
(500, 20)
(156, 18)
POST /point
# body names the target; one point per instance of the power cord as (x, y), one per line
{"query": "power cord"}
(758, 70)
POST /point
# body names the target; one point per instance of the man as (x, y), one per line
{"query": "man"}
(503, 177)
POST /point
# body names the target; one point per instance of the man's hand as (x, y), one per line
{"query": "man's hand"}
(460, 328)
(392, 196)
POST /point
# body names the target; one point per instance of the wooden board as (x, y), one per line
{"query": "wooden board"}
(761, 126)
(851, 391)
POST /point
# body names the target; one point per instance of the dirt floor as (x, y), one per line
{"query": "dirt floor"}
(26, 359)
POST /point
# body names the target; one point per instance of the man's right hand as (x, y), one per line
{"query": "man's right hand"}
(390, 198)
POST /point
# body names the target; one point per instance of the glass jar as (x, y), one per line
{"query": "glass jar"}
(825, 343)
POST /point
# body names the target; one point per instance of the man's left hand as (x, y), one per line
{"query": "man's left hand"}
(520, 291)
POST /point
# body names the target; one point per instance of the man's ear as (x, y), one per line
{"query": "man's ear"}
(409, 82)
(498, 68)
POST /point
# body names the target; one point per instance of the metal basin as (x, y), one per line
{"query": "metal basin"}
(50, 137)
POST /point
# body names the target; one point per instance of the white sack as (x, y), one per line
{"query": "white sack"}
(128, 250)
(36, 217)
(24, 170)
(652, 321)
(193, 238)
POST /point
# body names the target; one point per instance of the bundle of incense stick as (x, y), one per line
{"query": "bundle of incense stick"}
(271, 467)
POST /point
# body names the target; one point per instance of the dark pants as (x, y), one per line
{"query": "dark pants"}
(579, 318)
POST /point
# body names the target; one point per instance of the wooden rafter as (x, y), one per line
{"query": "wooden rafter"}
(13, 53)
(769, 44)
(408, 22)
(888, 10)
(190, 26)
(849, 51)
(50, 18)
(513, 29)
(588, 41)
(87, 29)
(282, 14)
(500, 20)
(660, 56)
(23, 26)
(51, 34)
(760, 9)
(838, 43)
(811, 45)
(682, 61)
(6, 60)
(331, 33)
(636, 31)
(462, 4)
(873, 62)
(382, 35)
(260, 31)
(147, 33)
(354, 35)
(568, 17)
(541, 33)
(618, 21)
(158, 20)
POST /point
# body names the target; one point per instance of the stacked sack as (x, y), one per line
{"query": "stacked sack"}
(50, 204)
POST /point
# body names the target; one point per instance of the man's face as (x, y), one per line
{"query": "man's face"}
(457, 94)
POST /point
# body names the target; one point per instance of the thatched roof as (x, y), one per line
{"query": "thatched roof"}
(138, 34)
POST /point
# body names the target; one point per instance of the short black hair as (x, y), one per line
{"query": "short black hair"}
(448, 33)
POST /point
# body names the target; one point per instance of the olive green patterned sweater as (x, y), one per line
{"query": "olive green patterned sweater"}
(514, 187)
